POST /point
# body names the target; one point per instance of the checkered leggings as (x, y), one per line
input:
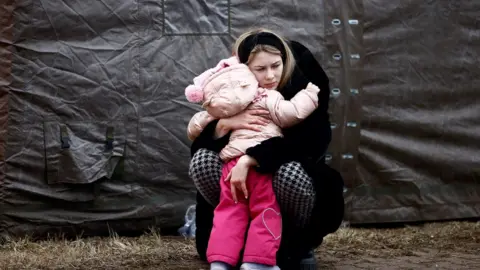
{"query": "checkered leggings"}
(292, 186)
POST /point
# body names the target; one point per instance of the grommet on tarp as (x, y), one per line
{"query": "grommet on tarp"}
(355, 56)
(109, 139)
(347, 156)
(351, 124)
(353, 22)
(335, 92)
(336, 22)
(354, 91)
(64, 139)
(337, 56)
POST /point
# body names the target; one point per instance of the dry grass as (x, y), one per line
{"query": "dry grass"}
(153, 251)
(453, 236)
(150, 251)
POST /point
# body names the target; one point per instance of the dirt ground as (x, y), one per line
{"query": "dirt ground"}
(419, 259)
(454, 245)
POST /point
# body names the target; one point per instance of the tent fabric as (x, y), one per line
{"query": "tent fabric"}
(6, 33)
(416, 145)
(93, 115)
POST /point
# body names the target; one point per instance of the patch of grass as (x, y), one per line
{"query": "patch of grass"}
(454, 236)
(144, 252)
(153, 251)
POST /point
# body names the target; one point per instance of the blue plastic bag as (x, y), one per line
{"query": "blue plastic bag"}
(189, 228)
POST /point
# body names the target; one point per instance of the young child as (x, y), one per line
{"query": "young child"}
(227, 90)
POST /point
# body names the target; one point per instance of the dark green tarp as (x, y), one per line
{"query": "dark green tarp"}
(405, 107)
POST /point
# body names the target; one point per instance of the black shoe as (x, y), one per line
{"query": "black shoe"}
(308, 262)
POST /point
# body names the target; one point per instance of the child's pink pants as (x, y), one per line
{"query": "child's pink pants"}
(231, 222)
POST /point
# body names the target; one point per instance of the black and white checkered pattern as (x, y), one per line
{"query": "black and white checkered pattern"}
(205, 171)
(292, 186)
(295, 192)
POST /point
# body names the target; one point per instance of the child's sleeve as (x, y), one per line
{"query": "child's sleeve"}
(288, 113)
(197, 124)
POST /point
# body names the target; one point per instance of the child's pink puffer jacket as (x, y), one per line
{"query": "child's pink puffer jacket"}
(231, 88)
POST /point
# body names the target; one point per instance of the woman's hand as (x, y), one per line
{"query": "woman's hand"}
(248, 119)
(238, 177)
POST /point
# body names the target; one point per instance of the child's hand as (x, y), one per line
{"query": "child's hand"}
(238, 181)
(238, 177)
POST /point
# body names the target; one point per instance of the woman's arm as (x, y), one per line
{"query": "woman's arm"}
(216, 134)
(306, 141)
(213, 137)
(309, 139)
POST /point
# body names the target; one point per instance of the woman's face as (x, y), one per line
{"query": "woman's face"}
(267, 68)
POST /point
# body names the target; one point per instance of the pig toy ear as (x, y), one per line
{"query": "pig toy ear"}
(226, 63)
(244, 83)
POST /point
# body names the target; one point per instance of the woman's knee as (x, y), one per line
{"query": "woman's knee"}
(205, 164)
(292, 180)
(205, 171)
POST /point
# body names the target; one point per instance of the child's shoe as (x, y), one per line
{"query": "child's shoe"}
(256, 266)
(220, 266)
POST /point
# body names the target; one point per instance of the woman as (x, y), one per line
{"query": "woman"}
(310, 193)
